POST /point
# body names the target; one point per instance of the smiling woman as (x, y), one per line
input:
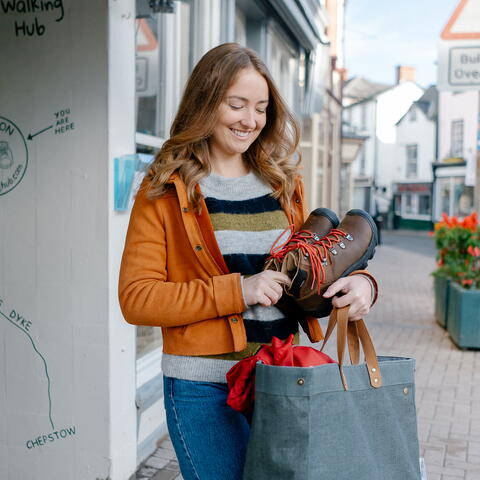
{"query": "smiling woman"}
(220, 191)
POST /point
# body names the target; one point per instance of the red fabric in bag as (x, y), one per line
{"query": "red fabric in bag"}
(241, 377)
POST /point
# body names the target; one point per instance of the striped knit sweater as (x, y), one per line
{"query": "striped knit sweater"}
(246, 220)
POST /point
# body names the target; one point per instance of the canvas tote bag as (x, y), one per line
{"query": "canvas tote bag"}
(335, 421)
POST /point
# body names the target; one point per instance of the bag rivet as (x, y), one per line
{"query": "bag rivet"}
(405, 391)
(374, 369)
(375, 380)
(301, 381)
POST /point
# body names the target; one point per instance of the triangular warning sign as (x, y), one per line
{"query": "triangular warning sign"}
(464, 23)
(146, 40)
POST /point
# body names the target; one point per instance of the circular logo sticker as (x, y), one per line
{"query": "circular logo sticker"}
(13, 155)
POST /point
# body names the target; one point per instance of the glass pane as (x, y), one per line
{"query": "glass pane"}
(147, 74)
(148, 339)
(462, 198)
(424, 204)
(409, 203)
(444, 189)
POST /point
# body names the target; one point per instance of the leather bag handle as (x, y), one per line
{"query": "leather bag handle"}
(357, 333)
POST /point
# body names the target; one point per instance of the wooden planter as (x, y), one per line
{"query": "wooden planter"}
(464, 316)
(441, 287)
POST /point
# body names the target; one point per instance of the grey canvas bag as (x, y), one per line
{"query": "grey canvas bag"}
(336, 422)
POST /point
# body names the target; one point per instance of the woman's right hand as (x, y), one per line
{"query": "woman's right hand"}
(264, 288)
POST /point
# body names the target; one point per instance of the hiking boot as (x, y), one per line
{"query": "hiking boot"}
(316, 226)
(313, 267)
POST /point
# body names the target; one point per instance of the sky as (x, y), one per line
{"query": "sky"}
(380, 34)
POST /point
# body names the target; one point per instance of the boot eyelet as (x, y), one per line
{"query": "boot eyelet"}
(316, 238)
(324, 262)
(348, 237)
(341, 245)
(333, 251)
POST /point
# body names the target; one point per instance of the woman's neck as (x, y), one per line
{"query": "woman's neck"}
(229, 167)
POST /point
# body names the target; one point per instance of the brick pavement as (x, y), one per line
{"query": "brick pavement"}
(447, 379)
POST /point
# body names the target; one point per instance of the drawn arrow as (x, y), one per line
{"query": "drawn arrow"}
(38, 133)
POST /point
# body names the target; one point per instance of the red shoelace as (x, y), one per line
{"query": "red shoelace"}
(317, 250)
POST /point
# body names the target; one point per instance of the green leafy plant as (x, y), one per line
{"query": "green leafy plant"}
(458, 250)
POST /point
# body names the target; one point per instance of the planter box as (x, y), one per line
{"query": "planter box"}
(441, 288)
(464, 316)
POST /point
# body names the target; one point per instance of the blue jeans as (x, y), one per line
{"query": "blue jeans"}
(209, 437)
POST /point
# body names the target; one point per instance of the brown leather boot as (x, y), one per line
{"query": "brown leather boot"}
(316, 226)
(315, 266)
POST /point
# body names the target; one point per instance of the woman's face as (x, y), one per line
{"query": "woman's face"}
(242, 115)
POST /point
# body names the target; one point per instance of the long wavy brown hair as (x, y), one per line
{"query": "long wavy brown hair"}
(271, 155)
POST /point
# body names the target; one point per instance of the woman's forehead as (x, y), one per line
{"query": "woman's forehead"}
(249, 85)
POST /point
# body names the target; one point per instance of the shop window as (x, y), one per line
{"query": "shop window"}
(412, 159)
(462, 198)
(424, 204)
(457, 138)
(409, 203)
(444, 189)
(163, 52)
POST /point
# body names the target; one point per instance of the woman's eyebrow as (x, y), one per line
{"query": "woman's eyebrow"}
(245, 99)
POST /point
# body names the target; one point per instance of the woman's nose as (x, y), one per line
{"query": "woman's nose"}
(248, 119)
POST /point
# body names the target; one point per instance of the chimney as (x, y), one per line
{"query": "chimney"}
(405, 74)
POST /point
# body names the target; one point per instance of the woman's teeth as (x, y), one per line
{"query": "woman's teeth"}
(239, 133)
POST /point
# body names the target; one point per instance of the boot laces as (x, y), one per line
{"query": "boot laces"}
(311, 246)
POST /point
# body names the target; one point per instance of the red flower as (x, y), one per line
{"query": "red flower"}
(467, 281)
(474, 251)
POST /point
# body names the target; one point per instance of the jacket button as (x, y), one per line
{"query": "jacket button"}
(234, 320)
(185, 209)
(297, 200)
(301, 382)
(198, 247)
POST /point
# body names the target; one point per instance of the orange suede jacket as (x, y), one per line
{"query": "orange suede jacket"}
(173, 276)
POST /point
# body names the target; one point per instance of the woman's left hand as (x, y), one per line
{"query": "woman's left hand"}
(357, 293)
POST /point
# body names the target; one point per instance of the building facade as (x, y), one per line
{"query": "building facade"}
(372, 111)
(415, 154)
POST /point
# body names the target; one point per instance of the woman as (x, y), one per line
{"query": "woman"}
(219, 193)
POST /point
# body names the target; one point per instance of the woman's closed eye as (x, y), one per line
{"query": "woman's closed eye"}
(239, 107)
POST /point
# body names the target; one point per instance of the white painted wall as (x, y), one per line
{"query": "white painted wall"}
(391, 106)
(68, 369)
(421, 132)
(458, 106)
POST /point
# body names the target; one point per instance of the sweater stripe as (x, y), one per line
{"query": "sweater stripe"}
(256, 222)
(265, 203)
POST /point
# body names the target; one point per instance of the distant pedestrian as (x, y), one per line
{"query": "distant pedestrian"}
(220, 191)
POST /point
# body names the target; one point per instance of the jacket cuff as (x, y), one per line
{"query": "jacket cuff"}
(228, 294)
(373, 283)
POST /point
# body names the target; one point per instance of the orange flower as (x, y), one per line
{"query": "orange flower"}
(467, 281)
(431, 234)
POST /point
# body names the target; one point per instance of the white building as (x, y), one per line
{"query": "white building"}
(455, 167)
(374, 116)
(84, 87)
(415, 153)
